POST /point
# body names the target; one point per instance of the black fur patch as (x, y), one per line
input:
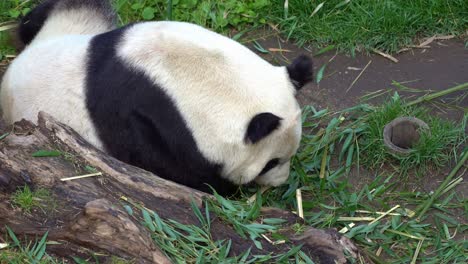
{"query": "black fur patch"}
(301, 71)
(261, 126)
(33, 22)
(140, 124)
(103, 7)
(270, 165)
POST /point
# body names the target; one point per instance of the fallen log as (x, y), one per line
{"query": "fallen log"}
(89, 217)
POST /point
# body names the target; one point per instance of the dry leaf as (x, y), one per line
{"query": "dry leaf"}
(388, 56)
(278, 50)
(445, 37)
(427, 41)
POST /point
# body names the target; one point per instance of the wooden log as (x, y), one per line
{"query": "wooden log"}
(89, 217)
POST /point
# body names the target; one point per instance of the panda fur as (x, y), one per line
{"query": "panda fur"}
(173, 98)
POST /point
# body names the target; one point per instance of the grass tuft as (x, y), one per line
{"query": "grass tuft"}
(27, 200)
(433, 150)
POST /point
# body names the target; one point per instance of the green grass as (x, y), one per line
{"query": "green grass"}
(363, 25)
(27, 200)
(348, 26)
(11, 10)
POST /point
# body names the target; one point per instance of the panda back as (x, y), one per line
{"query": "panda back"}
(49, 77)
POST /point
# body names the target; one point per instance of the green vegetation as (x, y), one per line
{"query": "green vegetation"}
(16, 253)
(434, 149)
(333, 148)
(27, 200)
(361, 24)
(217, 15)
(346, 25)
(10, 10)
(35, 253)
(338, 147)
(194, 244)
(14, 9)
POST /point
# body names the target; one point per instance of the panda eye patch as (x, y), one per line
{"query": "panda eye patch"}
(270, 165)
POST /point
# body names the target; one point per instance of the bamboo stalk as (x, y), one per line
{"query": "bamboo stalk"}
(323, 165)
(432, 96)
(300, 210)
(169, 9)
(416, 252)
(345, 229)
(82, 176)
(404, 234)
(355, 218)
(359, 76)
(383, 215)
(422, 209)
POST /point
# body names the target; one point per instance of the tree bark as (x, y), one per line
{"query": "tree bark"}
(88, 216)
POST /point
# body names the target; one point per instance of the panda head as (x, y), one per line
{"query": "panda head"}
(272, 138)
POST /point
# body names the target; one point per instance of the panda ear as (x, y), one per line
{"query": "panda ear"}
(261, 126)
(301, 71)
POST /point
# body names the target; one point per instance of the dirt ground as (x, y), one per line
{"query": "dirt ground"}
(443, 65)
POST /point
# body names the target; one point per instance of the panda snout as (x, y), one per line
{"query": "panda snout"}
(275, 177)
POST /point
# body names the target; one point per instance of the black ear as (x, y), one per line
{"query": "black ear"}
(261, 126)
(301, 71)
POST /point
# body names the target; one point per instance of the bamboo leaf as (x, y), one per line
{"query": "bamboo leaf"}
(320, 73)
(4, 136)
(148, 221)
(259, 47)
(346, 145)
(326, 49)
(274, 221)
(349, 159)
(12, 236)
(319, 6)
(198, 213)
(46, 153)
(128, 209)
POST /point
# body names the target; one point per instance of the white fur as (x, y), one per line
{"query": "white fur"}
(49, 76)
(217, 84)
(81, 21)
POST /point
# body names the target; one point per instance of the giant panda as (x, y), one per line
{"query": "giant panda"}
(173, 98)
